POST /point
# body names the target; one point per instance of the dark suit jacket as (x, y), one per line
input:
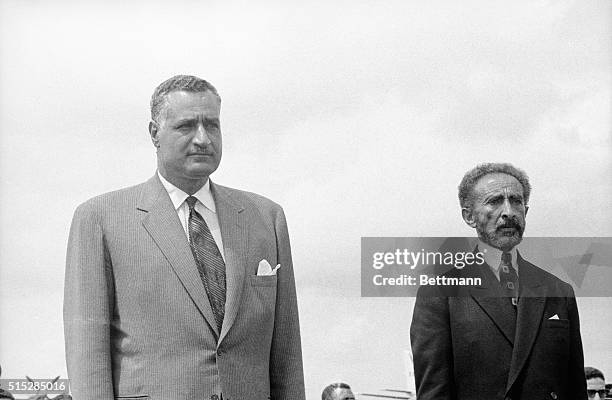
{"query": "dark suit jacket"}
(465, 346)
(138, 322)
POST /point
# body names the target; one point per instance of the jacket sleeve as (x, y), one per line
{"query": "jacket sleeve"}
(88, 294)
(286, 373)
(577, 382)
(432, 351)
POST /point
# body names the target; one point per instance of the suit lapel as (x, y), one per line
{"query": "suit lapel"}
(234, 234)
(489, 298)
(529, 316)
(162, 223)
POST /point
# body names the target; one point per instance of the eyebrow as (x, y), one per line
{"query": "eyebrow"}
(194, 120)
(498, 196)
(494, 196)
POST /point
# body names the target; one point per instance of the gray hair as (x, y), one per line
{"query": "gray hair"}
(472, 176)
(187, 83)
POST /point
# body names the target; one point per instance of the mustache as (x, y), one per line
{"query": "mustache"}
(202, 150)
(510, 223)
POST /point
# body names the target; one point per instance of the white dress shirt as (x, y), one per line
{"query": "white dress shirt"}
(492, 257)
(205, 206)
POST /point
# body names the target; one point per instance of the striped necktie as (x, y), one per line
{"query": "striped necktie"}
(209, 261)
(508, 278)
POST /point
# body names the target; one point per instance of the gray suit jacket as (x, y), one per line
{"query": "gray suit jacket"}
(138, 322)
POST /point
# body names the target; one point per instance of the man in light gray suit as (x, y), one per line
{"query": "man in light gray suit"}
(179, 288)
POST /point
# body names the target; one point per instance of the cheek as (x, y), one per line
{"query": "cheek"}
(487, 218)
(169, 150)
(178, 146)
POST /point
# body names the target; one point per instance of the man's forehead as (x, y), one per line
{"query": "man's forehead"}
(498, 182)
(182, 95)
(183, 102)
(344, 394)
(595, 383)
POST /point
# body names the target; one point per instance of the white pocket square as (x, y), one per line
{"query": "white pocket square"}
(554, 317)
(265, 268)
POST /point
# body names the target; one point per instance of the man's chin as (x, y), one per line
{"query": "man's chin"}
(506, 243)
(501, 241)
(200, 171)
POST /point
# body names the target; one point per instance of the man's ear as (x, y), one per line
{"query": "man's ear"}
(153, 130)
(526, 209)
(468, 216)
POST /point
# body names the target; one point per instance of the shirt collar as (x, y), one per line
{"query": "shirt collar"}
(492, 256)
(178, 197)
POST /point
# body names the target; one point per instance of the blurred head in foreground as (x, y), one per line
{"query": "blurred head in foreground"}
(337, 391)
(596, 384)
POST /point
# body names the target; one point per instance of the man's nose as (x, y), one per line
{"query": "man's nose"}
(507, 210)
(201, 136)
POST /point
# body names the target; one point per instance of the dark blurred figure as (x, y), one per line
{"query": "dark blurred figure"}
(337, 391)
(596, 383)
(4, 394)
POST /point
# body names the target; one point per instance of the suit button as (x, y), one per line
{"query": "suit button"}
(553, 395)
(214, 397)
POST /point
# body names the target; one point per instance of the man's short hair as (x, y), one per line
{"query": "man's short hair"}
(472, 176)
(590, 373)
(187, 83)
(329, 390)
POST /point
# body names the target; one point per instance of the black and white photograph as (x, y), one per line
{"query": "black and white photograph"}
(233, 200)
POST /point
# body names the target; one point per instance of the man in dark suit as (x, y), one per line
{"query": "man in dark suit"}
(512, 337)
(179, 288)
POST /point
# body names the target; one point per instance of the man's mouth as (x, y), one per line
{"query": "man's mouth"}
(508, 229)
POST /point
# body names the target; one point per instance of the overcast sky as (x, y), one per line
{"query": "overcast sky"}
(359, 117)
